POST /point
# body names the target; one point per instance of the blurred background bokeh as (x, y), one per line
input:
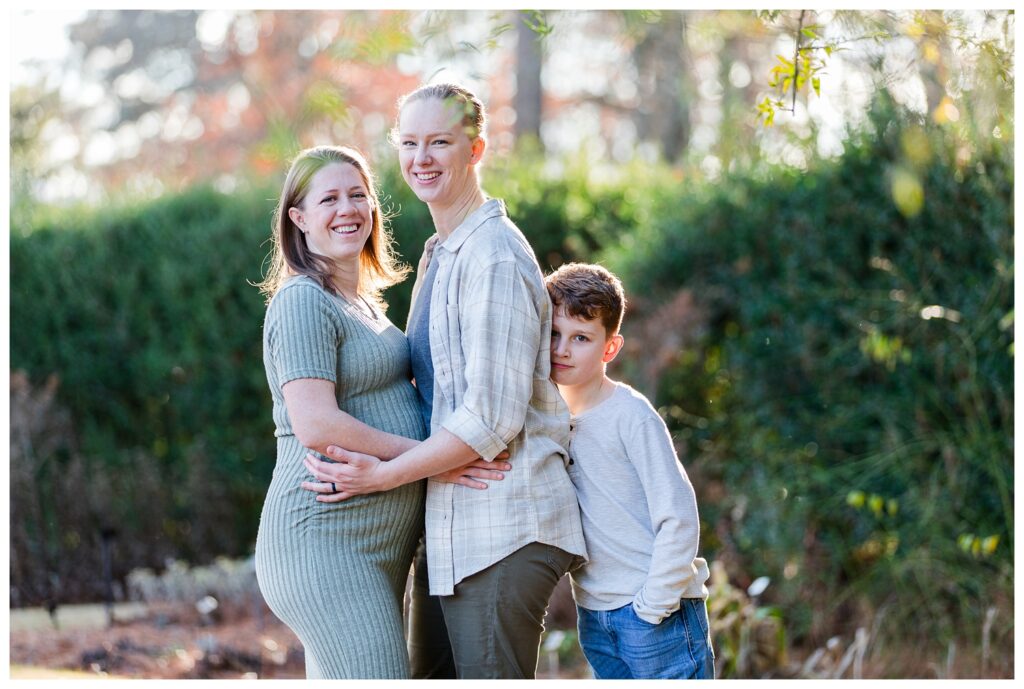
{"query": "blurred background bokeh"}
(812, 213)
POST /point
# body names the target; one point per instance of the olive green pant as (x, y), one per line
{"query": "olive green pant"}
(430, 651)
(494, 619)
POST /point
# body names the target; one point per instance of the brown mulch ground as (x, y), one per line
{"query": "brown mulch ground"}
(172, 642)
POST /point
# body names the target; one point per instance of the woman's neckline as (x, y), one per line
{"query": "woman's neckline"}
(369, 312)
(460, 216)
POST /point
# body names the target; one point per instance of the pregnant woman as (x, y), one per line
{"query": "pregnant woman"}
(480, 335)
(335, 573)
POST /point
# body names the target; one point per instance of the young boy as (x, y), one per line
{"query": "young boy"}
(641, 597)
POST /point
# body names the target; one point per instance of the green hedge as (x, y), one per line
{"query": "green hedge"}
(147, 316)
(861, 436)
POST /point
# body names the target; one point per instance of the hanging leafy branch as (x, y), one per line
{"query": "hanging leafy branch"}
(537, 22)
(803, 71)
(495, 34)
(789, 76)
(374, 40)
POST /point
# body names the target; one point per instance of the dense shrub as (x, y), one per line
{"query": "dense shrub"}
(851, 391)
(147, 319)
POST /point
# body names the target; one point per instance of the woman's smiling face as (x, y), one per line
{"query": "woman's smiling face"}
(336, 214)
(435, 152)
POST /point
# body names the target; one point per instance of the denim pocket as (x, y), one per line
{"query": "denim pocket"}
(698, 636)
(655, 651)
(697, 612)
(644, 624)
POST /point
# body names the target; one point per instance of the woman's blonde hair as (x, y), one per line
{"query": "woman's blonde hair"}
(379, 267)
(473, 116)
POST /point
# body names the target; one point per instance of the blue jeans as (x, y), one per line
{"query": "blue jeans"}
(620, 645)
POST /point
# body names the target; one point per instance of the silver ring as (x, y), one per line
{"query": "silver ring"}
(334, 488)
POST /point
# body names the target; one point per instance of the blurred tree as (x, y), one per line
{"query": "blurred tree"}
(738, 41)
(33, 108)
(173, 97)
(200, 95)
(144, 56)
(528, 96)
(666, 81)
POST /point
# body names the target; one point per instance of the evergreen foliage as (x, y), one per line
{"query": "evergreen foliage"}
(852, 392)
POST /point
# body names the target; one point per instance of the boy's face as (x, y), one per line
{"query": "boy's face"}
(579, 349)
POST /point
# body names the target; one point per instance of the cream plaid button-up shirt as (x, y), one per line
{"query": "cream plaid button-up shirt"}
(490, 332)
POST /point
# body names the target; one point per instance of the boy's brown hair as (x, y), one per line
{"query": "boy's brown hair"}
(588, 291)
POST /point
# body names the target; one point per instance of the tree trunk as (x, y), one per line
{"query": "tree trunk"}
(662, 59)
(527, 101)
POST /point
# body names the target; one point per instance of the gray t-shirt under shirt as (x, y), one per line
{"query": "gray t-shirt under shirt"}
(418, 332)
(639, 511)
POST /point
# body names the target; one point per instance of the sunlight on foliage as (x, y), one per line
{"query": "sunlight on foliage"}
(916, 147)
(877, 504)
(749, 639)
(885, 350)
(324, 99)
(936, 311)
(978, 546)
(790, 75)
(537, 21)
(375, 42)
(279, 144)
(907, 192)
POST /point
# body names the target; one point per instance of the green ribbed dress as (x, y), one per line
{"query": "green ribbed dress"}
(336, 573)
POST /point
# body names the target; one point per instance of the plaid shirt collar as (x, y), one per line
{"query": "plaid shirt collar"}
(492, 208)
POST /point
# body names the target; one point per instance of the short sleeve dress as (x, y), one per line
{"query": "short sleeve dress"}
(336, 573)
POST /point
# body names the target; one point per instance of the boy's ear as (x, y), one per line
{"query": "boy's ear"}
(612, 348)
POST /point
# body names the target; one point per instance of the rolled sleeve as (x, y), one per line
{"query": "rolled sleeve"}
(472, 430)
